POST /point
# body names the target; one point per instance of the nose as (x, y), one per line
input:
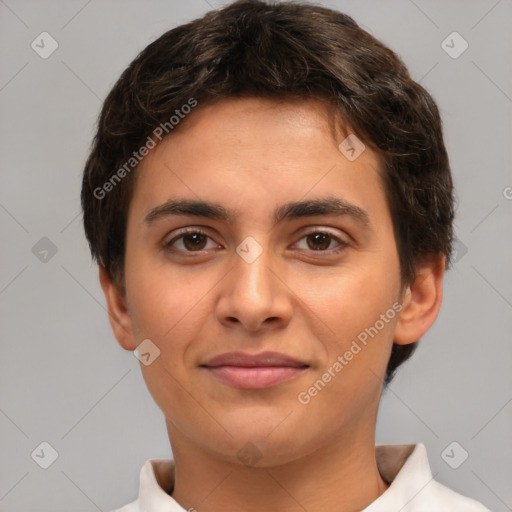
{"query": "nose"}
(254, 294)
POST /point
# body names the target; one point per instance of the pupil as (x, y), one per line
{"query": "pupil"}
(320, 238)
(197, 237)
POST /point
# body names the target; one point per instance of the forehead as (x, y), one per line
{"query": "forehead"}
(251, 152)
(265, 117)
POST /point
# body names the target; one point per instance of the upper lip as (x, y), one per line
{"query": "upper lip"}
(253, 360)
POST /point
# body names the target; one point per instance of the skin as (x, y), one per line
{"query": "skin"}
(252, 155)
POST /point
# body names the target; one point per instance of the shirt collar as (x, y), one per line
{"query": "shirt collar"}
(405, 466)
(408, 470)
(156, 484)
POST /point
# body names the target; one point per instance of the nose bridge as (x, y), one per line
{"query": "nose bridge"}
(253, 293)
(251, 266)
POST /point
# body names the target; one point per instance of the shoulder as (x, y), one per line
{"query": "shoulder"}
(413, 488)
(447, 500)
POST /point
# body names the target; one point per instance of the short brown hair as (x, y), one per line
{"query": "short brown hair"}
(280, 51)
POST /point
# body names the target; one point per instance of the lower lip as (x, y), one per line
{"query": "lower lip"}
(260, 377)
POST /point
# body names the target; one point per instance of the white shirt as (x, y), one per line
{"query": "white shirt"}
(406, 467)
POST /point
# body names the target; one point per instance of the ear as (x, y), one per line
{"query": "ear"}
(118, 313)
(421, 301)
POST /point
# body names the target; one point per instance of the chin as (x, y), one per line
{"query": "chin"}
(262, 445)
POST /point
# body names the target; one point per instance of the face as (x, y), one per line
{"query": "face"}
(217, 289)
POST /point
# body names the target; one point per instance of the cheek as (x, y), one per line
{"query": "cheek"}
(164, 301)
(355, 296)
(361, 334)
(355, 305)
(361, 320)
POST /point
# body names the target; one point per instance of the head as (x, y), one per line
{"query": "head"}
(250, 107)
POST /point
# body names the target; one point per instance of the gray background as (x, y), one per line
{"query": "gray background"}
(63, 377)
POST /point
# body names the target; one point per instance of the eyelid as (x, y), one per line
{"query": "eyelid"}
(320, 229)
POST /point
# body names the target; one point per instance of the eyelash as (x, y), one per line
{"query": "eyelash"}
(168, 245)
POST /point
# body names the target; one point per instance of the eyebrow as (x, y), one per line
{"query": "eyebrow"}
(291, 210)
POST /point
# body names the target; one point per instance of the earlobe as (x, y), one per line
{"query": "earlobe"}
(118, 313)
(421, 301)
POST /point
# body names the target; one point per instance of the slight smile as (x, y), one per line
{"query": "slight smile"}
(254, 371)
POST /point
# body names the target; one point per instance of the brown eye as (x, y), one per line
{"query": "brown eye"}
(190, 241)
(321, 241)
(195, 241)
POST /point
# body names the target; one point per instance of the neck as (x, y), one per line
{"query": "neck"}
(342, 476)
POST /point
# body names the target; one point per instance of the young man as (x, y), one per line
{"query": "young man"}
(270, 203)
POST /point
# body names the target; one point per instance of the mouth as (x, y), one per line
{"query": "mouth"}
(254, 371)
